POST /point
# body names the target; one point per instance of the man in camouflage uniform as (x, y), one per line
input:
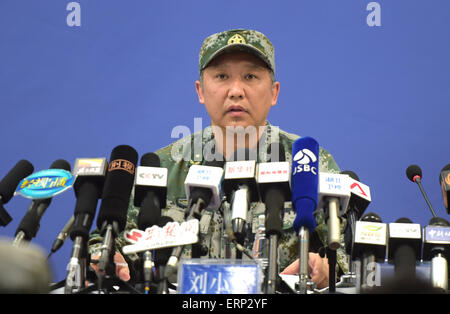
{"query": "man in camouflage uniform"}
(237, 86)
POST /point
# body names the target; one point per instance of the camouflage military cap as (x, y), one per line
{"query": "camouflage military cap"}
(237, 40)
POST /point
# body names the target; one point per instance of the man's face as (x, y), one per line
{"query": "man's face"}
(237, 90)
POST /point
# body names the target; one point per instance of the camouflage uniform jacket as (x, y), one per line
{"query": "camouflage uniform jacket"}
(211, 224)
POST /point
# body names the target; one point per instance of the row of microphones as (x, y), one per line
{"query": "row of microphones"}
(437, 234)
(403, 244)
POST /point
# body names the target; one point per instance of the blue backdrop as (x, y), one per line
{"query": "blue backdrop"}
(377, 97)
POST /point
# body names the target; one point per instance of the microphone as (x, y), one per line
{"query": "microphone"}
(161, 259)
(30, 223)
(360, 196)
(360, 199)
(305, 188)
(404, 247)
(8, 185)
(369, 246)
(436, 249)
(203, 190)
(203, 186)
(274, 186)
(90, 177)
(116, 192)
(150, 190)
(414, 173)
(240, 189)
(444, 181)
(150, 195)
(334, 197)
(62, 236)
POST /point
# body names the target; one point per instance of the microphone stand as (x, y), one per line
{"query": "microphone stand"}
(272, 270)
(349, 279)
(303, 237)
(334, 235)
(106, 262)
(76, 269)
(172, 264)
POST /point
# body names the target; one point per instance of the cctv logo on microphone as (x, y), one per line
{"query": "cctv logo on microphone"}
(304, 158)
(151, 176)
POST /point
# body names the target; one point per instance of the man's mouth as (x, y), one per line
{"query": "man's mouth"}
(236, 110)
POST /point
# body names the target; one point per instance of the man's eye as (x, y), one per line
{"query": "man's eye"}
(250, 76)
(221, 76)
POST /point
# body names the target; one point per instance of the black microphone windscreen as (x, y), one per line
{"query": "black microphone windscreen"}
(149, 212)
(439, 221)
(404, 220)
(10, 182)
(412, 171)
(150, 160)
(371, 217)
(88, 195)
(351, 174)
(275, 202)
(117, 188)
(60, 164)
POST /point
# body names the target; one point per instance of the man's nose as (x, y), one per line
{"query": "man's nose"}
(236, 89)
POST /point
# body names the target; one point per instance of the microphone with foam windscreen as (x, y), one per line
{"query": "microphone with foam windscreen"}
(240, 189)
(305, 192)
(444, 182)
(90, 177)
(369, 247)
(414, 173)
(150, 190)
(150, 193)
(8, 185)
(436, 249)
(116, 192)
(404, 247)
(274, 186)
(334, 195)
(360, 199)
(30, 223)
(203, 186)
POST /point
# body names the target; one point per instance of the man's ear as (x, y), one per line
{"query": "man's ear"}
(275, 92)
(199, 90)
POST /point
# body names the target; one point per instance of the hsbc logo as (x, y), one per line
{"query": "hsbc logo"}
(304, 158)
